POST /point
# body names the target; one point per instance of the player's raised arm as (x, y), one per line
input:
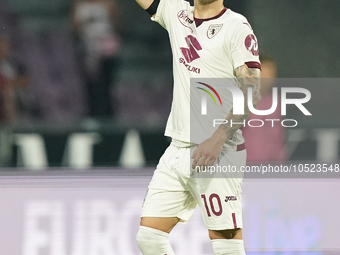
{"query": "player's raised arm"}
(157, 9)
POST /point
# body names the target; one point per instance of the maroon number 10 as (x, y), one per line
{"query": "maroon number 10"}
(211, 197)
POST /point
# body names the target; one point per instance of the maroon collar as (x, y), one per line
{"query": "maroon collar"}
(200, 21)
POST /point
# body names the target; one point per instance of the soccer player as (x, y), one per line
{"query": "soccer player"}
(207, 41)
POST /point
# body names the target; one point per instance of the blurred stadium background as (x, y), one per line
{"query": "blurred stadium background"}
(80, 133)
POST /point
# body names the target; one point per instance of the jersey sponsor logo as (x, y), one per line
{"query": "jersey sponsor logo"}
(230, 198)
(189, 67)
(213, 30)
(184, 19)
(252, 45)
(190, 53)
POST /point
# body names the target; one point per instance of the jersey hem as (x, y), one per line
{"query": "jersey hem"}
(198, 140)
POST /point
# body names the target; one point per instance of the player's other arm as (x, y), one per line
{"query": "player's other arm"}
(148, 5)
(208, 151)
(246, 78)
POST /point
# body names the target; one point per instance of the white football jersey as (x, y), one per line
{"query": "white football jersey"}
(212, 48)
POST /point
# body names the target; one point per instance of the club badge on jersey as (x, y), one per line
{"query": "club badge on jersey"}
(213, 30)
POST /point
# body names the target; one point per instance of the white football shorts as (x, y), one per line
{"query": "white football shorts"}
(175, 192)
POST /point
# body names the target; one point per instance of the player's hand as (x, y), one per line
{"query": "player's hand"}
(207, 152)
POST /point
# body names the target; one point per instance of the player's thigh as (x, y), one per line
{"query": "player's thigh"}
(168, 196)
(165, 224)
(219, 197)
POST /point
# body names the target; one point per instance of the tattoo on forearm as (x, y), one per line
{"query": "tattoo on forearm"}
(246, 77)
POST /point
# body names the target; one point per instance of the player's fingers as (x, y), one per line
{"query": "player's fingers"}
(196, 156)
(195, 152)
(207, 162)
(204, 164)
(195, 161)
(212, 161)
(201, 161)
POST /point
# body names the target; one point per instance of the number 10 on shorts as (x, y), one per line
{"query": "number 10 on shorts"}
(210, 206)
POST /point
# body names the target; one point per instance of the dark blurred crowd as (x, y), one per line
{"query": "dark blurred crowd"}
(95, 24)
(17, 101)
(95, 27)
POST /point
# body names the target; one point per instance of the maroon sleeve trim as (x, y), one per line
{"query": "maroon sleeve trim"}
(253, 64)
(241, 147)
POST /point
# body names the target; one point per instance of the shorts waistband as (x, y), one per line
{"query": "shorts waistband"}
(179, 145)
